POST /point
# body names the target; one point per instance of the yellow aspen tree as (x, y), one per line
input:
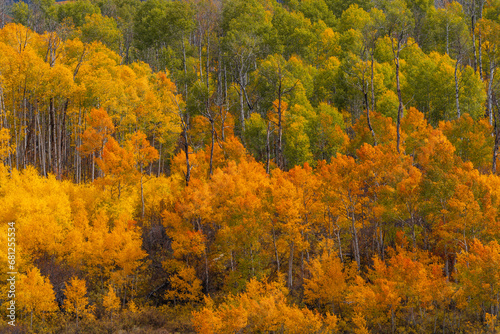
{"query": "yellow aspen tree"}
(185, 286)
(360, 323)
(238, 207)
(286, 209)
(261, 308)
(117, 166)
(6, 148)
(327, 285)
(101, 127)
(97, 135)
(76, 301)
(132, 307)
(206, 321)
(347, 190)
(479, 277)
(36, 294)
(144, 154)
(111, 302)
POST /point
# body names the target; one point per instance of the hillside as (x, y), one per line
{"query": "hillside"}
(203, 166)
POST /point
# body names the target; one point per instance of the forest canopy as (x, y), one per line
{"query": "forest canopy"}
(250, 166)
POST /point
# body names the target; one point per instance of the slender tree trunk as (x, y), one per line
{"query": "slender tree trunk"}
(290, 266)
(186, 151)
(232, 260)
(3, 10)
(17, 128)
(35, 143)
(279, 157)
(3, 114)
(79, 157)
(227, 104)
(208, 61)
(473, 31)
(368, 117)
(151, 164)
(252, 261)
(481, 5)
(199, 55)
(220, 83)
(400, 99)
(339, 240)
(497, 142)
(480, 56)
(276, 250)
(28, 131)
(62, 138)
(23, 126)
(393, 323)
(52, 140)
(206, 270)
(185, 68)
(355, 241)
(457, 88)
(57, 143)
(413, 234)
(48, 140)
(446, 264)
(268, 148)
(242, 105)
(142, 195)
(490, 91)
(159, 161)
(447, 38)
(371, 83)
(381, 236)
(330, 228)
(41, 141)
(210, 172)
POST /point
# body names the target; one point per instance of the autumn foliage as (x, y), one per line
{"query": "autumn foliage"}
(251, 166)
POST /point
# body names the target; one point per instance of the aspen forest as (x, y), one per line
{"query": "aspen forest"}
(250, 166)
